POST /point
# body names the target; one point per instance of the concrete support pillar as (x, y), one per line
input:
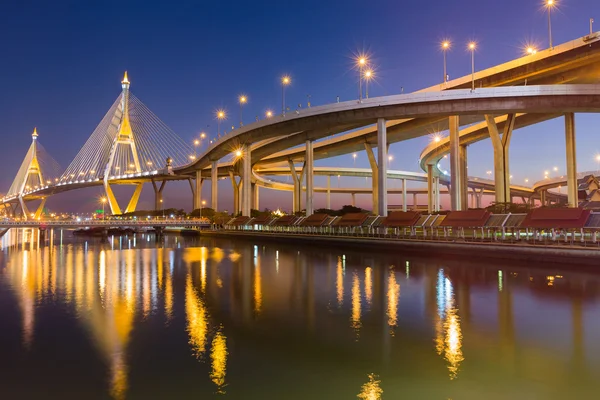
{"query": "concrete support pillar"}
(430, 194)
(328, 205)
(158, 194)
(309, 178)
(415, 201)
(501, 145)
(197, 191)
(543, 198)
(479, 198)
(236, 192)
(214, 185)
(464, 178)
(404, 194)
(382, 167)
(374, 175)
(571, 160)
(353, 199)
(437, 194)
(455, 185)
(246, 205)
(297, 178)
(255, 196)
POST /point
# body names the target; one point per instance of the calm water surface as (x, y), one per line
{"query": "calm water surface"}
(201, 318)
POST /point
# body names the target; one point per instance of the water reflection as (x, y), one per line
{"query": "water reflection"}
(238, 318)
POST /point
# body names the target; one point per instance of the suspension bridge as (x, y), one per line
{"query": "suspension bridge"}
(132, 146)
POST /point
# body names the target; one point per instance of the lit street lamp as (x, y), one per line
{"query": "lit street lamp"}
(243, 100)
(598, 161)
(368, 77)
(550, 4)
(220, 117)
(445, 48)
(362, 62)
(285, 81)
(472, 46)
(269, 114)
(354, 155)
(103, 200)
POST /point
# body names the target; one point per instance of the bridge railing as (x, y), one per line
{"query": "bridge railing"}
(107, 223)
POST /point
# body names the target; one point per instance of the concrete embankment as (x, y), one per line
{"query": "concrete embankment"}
(567, 254)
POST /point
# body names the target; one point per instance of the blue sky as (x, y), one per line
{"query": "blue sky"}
(63, 62)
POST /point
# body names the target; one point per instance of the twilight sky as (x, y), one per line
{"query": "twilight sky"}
(63, 62)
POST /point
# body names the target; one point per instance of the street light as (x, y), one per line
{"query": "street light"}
(269, 114)
(531, 50)
(550, 4)
(103, 200)
(221, 115)
(285, 81)
(354, 155)
(362, 62)
(163, 208)
(243, 100)
(390, 158)
(472, 46)
(368, 77)
(445, 48)
(598, 161)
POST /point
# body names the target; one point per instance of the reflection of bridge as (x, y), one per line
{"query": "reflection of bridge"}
(130, 145)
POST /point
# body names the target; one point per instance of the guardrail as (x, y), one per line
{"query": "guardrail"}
(106, 223)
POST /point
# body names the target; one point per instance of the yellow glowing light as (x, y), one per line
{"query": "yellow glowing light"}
(221, 114)
(362, 60)
(472, 46)
(243, 99)
(197, 319)
(368, 74)
(371, 390)
(390, 158)
(34, 134)
(286, 80)
(125, 80)
(550, 3)
(445, 45)
(238, 153)
(598, 158)
(103, 200)
(531, 50)
(339, 282)
(218, 356)
(202, 135)
(392, 295)
(555, 169)
(356, 311)
(196, 142)
(192, 157)
(269, 114)
(369, 284)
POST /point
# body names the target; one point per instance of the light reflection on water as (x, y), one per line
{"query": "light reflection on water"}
(246, 320)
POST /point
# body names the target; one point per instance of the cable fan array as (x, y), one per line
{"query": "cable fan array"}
(28, 177)
(153, 142)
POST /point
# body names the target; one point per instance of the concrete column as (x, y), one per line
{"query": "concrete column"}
(437, 194)
(479, 198)
(430, 194)
(404, 194)
(543, 198)
(571, 160)
(415, 201)
(255, 196)
(374, 174)
(464, 178)
(158, 194)
(353, 199)
(236, 192)
(455, 186)
(246, 205)
(382, 167)
(198, 190)
(501, 145)
(297, 199)
(328, 205)
(214, 185)
(309, 178)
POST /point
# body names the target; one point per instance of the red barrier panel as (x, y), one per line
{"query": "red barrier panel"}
(398, 219)
(314, 220)
(286, 220)
(353, 219)
(466, 219)
(559, 218)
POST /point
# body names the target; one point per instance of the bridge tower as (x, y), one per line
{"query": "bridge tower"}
(29, 176)
(124, 137)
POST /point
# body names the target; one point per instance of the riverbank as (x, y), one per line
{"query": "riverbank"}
(526, 252)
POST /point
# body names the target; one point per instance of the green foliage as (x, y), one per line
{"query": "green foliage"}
(505, 208)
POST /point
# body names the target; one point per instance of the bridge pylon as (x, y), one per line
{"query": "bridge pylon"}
(123, 138)
(29, 177)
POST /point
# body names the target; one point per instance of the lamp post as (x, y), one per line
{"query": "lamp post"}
(598, 161)
(163, 208)
(269, 114)
(549, 5)
(243, 99)
(354, 155)
(591, 25)
(203, 202)
(220, 117)
(285, 81)
(103, 200)
(445, 47)
(472, 49)
(362, 62)
(368, 77)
